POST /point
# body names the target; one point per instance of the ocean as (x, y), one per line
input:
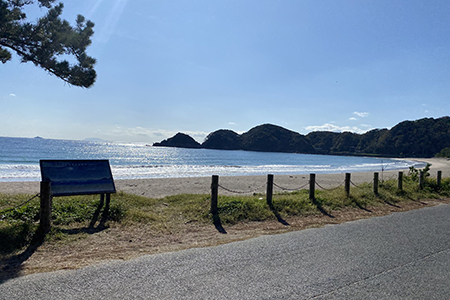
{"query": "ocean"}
(19, 160)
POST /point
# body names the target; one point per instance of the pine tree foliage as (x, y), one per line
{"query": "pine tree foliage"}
(48, 42)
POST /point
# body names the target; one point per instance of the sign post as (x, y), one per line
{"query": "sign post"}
(73, 177)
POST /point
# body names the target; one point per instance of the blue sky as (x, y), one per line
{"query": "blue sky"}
(198, 66)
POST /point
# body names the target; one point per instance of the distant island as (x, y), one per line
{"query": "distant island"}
(421, 138)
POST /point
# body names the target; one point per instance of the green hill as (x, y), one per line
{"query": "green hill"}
(421, 138)
(180, 140)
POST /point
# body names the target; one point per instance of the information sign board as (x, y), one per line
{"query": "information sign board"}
(78, 177)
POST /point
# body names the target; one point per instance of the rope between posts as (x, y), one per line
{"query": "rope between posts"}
(330, 189)
(359, 187)
(240, 192)
(286, 189)
(20, 205)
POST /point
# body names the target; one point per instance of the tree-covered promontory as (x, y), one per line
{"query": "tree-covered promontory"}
(179, 140)
(420, 138)
(272, 138)
(223, 140)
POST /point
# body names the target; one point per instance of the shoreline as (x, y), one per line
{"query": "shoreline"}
(245, 185)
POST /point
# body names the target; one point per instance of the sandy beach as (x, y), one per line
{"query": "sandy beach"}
(232, 185)
(229, 185)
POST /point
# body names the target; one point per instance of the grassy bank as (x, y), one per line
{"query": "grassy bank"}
(72, 216)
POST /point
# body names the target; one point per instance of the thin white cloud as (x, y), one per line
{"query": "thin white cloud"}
(112, 20)
(335, 128)
(361, 114)
(12, 95)
(231, 123)
(353, 119)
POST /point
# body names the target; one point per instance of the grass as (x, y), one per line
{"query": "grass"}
(170, 214)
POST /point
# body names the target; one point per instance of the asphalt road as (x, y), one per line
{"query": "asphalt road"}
(401, 256)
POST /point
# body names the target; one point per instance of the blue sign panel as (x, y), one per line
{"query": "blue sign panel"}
(78, 177)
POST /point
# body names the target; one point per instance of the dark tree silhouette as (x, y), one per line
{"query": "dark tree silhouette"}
(48, 42)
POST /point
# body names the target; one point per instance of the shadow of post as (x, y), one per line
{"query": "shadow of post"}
(218, 224)
(97, 211)
(277, 215)
(391, 204)
(105, 213)
(321, 209)
(416, 200)
(11, 266)
(355, 201)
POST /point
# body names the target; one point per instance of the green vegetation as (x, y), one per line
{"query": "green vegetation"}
(171, 214)
(179, 140)
(444, 153)
(414, 173)
(420, 138)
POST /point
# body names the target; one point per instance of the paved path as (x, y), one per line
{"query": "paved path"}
(401, 256)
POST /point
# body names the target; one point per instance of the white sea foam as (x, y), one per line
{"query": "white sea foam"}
(19, 172)
(31, 172)
(20, 160)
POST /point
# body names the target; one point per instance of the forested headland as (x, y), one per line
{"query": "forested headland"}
(425, 137)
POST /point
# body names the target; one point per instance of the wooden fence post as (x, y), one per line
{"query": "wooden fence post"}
(439, 178)
(214, 194)
(375, 183)
(45, 213)
(400, 181)
(347, 184)
(269, 194)
(421, 179)
(312, 186)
